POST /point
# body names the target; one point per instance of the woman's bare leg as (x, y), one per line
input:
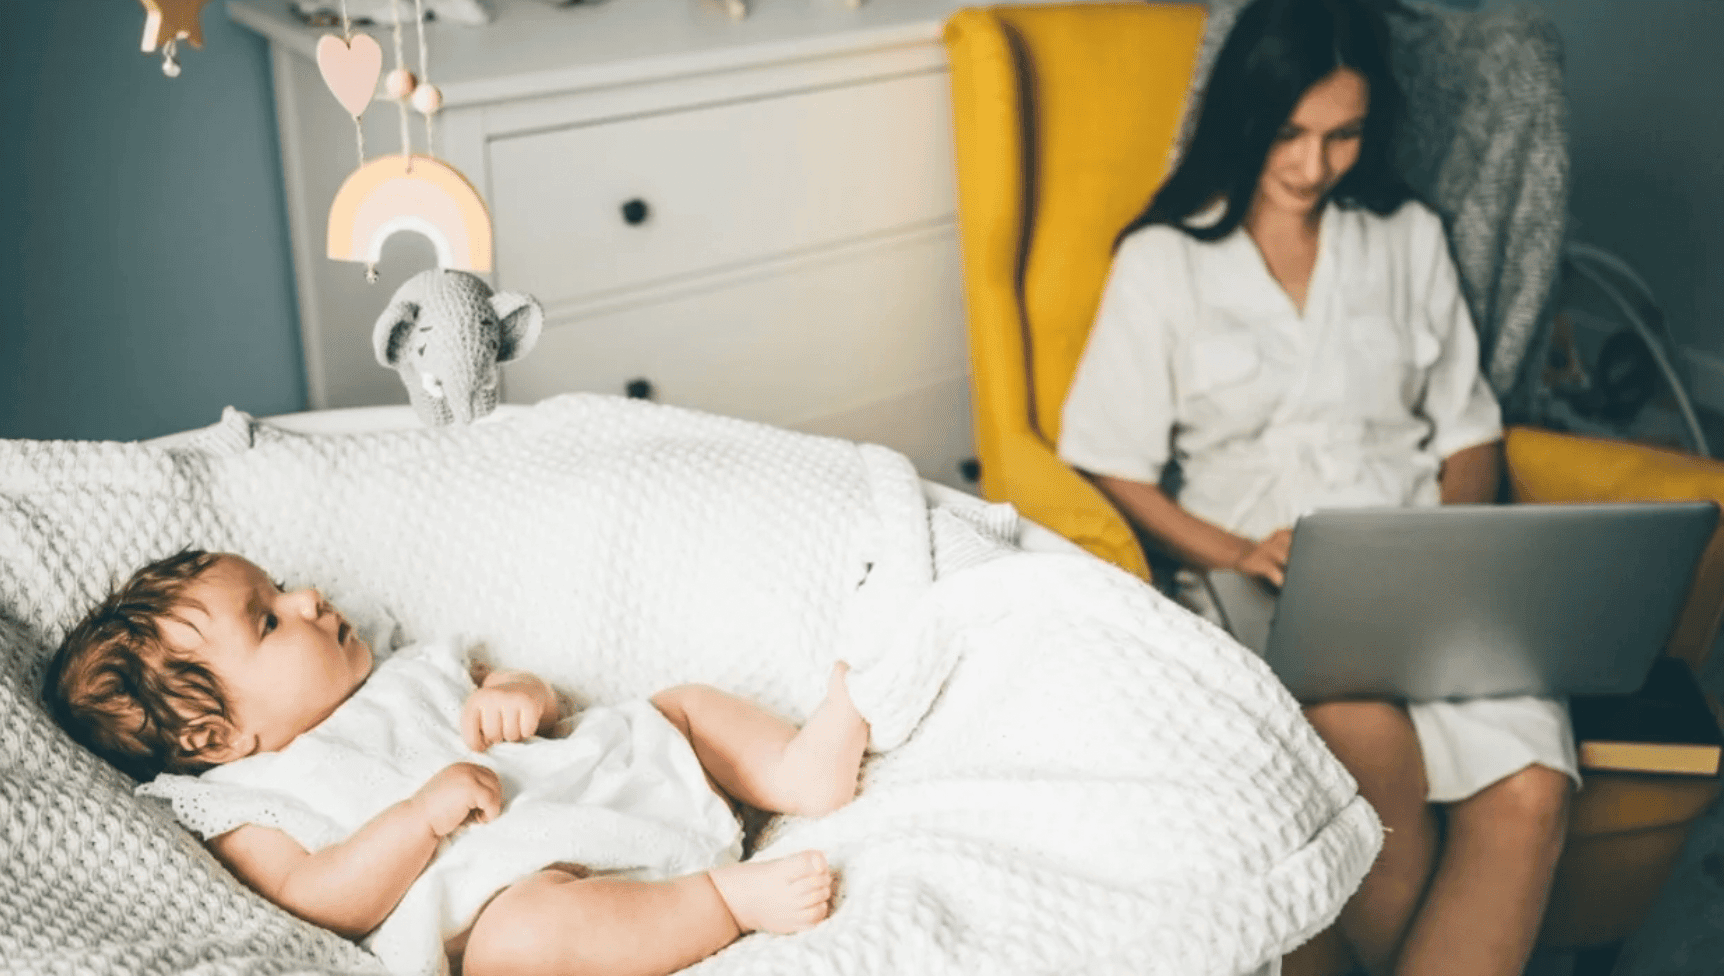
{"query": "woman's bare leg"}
(1483, 911)
(766, 762)
(1376, 742)
(556, 924)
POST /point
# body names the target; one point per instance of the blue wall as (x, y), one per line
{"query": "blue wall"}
(145, 279)
(1645, 82)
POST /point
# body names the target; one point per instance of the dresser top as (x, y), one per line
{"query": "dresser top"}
(537, 47)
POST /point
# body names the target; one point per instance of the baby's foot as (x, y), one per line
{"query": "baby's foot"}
(784, 895)
(825, 757)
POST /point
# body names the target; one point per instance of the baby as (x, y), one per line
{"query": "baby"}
(433, 790)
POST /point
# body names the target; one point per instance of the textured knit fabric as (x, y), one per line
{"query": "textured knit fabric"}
(93, 880)
(1071, 774)
(621, 792)
(1484, 142)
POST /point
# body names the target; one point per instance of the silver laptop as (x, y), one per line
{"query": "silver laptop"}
(1464, 601)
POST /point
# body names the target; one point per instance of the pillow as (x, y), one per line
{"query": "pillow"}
(98, 882)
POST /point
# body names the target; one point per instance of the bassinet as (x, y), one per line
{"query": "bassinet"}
(1069, 775)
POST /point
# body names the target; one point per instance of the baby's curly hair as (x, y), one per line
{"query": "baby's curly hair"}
(122, 691)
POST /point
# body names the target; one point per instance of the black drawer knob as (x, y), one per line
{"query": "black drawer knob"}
(639, 389)
(971, 469)
(636, 212)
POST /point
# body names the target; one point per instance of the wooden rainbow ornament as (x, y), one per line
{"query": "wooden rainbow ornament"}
(406, 191)
(393, 193)
(169, 22)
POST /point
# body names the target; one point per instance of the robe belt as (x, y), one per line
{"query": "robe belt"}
(1294, 460)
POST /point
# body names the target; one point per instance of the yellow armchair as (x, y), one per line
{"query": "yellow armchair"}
(1063, 117)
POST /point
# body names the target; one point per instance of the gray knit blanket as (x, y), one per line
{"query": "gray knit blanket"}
(1069, 773)
(1484, 143)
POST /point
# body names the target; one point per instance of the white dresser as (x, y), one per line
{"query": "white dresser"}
(752, 217)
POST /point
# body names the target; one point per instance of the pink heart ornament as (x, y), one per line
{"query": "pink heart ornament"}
(350, 69)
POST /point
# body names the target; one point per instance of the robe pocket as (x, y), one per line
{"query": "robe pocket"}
(1381, 357)
(1223, 359)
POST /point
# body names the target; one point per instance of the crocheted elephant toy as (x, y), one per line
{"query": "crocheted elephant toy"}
(446, 333)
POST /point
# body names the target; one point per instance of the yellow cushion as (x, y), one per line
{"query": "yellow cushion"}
(1614, 803)
(1545, 466)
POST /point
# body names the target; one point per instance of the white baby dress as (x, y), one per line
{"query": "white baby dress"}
(622, 792)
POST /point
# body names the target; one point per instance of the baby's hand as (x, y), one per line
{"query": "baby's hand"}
(457, 791)
(509, 708)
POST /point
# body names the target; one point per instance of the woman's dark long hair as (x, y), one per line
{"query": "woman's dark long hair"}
(1275, 52)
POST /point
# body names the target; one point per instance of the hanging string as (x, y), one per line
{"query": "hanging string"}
(358, 127)
(400, 58)
(430, 109)
(347, 39)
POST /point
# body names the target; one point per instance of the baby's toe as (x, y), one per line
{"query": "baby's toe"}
(811, 916)
(811, 864)
(813, 884)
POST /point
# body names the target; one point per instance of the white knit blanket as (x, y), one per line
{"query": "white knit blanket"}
(1073, 775)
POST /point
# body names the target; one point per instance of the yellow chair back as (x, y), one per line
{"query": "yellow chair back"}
(1064, 118)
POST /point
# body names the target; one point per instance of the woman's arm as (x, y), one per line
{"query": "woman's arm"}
(351, 887)
(1472, 475)
(1194, 541)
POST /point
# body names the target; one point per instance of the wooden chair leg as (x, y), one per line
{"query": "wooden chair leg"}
(1597, 960)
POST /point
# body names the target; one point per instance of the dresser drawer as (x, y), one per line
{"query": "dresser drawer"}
(624, 204)
(814, 347)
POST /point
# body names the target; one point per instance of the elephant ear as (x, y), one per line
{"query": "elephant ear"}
(520, 319)
(394, 327)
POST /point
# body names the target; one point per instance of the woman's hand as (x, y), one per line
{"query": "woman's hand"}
(458, 791)
(510, 706)
(1267, 560)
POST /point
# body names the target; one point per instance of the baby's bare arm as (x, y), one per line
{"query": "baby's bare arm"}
(351, 887)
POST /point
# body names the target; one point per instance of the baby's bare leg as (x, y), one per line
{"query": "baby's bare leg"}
(556, 924)
(765, 761)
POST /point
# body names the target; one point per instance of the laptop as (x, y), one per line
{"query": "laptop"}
(1466, 601)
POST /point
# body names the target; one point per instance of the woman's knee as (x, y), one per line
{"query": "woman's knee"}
(1375, 727)
(1377, 743)
(1533, 800)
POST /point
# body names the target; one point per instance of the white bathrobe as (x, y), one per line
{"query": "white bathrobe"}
(621, 792)
(1198, 354)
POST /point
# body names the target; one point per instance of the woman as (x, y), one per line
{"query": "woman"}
(1284, 322)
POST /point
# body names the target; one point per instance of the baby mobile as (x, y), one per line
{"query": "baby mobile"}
(167, 23)
(460, 331)
(443, 331)
(408, 190)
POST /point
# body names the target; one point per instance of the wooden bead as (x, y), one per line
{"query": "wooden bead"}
(399, 84)
(427, 99)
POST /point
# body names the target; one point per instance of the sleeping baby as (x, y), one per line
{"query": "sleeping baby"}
(444, 813)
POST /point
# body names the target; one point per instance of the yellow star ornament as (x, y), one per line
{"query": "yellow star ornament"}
(171, 20)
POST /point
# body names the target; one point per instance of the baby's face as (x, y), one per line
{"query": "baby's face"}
(285, 659)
